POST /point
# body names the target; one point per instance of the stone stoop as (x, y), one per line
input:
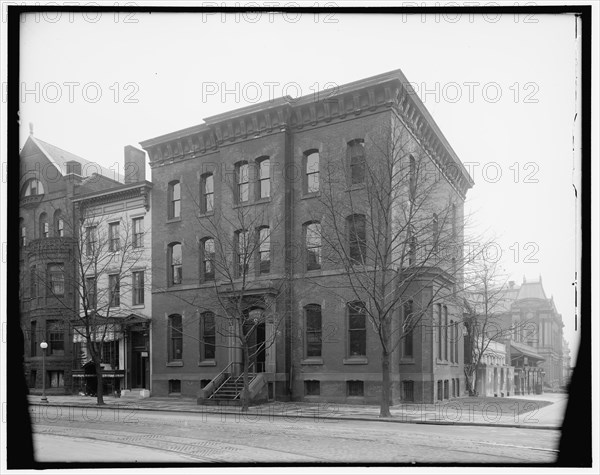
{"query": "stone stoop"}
(129, 394)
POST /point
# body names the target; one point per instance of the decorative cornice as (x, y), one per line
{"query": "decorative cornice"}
(115, 195)
(388, 91)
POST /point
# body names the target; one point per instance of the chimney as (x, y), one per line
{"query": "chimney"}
(511, 284)
(73, 167)
(135, 164)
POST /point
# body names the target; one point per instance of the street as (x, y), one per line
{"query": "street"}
(96, 435)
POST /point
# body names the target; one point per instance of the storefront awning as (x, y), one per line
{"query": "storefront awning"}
(106, 374)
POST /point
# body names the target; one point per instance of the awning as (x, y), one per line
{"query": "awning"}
(519, 349)
(107, 374)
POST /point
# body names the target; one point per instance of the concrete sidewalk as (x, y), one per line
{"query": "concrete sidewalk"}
(459, 411)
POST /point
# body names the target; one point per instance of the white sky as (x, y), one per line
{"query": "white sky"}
(171, 58)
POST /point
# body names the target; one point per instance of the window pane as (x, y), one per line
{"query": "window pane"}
(176, 191)
(209, 184)
(265, 188)
(313, 182)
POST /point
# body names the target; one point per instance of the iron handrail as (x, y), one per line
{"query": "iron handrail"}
(224, 371)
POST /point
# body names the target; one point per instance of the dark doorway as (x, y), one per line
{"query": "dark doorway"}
(140, 366)
(256, 344)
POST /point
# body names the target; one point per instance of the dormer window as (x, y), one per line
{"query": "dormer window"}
(33, 187)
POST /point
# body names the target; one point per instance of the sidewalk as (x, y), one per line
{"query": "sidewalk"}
(459, 411)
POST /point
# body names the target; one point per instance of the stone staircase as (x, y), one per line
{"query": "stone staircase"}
(230, 391)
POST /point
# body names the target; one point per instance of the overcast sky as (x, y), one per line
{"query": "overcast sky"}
(503, 90)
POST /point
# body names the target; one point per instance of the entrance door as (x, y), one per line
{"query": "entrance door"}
(139, 369)
(256, 346)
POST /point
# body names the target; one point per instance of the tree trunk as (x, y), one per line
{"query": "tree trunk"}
(100, 386)
(245, 380)
(384, 410)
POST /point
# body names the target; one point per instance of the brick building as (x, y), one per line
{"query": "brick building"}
(49, 179)
(269, 162)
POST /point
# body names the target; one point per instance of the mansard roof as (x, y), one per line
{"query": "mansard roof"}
(389, 90)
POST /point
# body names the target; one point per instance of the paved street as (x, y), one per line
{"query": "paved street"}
(67, 433)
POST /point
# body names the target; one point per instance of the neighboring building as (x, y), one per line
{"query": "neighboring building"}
(119, 220)
(49, 179)
(495, 376)
(567, 368)
(536, 344)
(323, 349)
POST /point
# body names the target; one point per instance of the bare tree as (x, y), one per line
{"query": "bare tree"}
(105, 251)
(389, 223)
(243, 291)
(486, 302)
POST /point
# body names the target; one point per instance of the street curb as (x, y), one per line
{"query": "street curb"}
(302, 416)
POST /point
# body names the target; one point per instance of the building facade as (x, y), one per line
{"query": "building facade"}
(49, 180)
(115, 250)
(264, 170)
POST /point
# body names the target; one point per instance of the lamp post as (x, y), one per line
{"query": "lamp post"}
(43, 346)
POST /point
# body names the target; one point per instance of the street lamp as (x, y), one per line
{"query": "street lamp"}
(43, 346)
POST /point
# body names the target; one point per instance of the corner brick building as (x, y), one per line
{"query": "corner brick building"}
(270, 159)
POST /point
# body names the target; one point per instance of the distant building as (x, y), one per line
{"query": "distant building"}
(536, 344)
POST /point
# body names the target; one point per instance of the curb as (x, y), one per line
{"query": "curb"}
(303, 416)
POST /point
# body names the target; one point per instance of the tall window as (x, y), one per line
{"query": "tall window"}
(242, 239)
(264, 177)
(138, 287)
(33, 340)
(357, 237)
(56, 338)
(356, 151)
(91, 287)
(114, 290)
(313, 330)
(114, 243)
(439, 329)
(445, 333)
(264, 250)
(452, 341)
(174, 200)
(434, 232)
(33, 282)
(208, 259)
(311, 159)
(175, 263)
(56, 379)
(59, 225)
(138, 232)
(412, 249)
(412, 178)
(242, 180)
(407, 347)
(23, 235)
(357, 329)
(453, 220)
(91, 240)
(33, 187)
(456, 337)
(207, 336)
(44, 230)
(313, 246)
(207, 190)
(175, 332)
(56, 277)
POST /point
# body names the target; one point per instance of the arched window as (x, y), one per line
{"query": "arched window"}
(59, 224)
(357, 238)
(207, 192)
(357, 329)
(242, 179)
(408, 326)
(313, 245)
(207, 336)
(356, 155)
(313, 325)
(242, 240)
(264, 177)
(44, 228)
(32, 187)
(175, 336)
(174, 197)
(207, 250)
(175, 263)
(23, 232)
(311, 168)
(264, 250)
